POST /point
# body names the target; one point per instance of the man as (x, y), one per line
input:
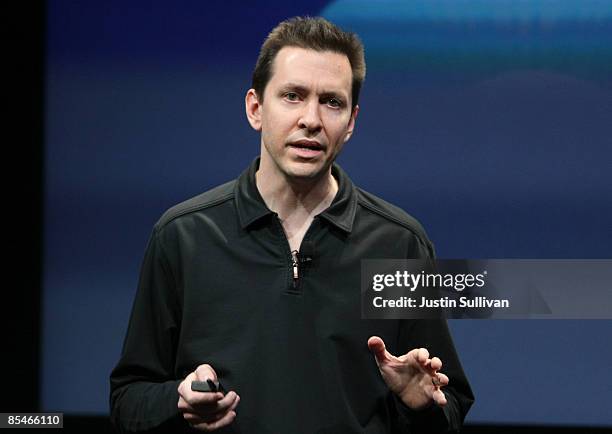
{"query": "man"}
(255, 284)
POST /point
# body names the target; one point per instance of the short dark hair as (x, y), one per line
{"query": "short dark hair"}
(313, 33)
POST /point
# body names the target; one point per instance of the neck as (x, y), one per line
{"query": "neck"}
(295, 197)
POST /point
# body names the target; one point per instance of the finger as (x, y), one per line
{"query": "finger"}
(220, 414)
(227, 400)
(189, 398)
(442, 379)
(184, 406)
(422, 356)
(439, 397)
(197, 416)
(410, 355)
(185, 386)
(222, 406)
(205, 372)
(235, 404)
(199, 399)
(211, 426)
(436, 364)
(193, 418)
(197, 408)
(377, 347)
(192, 397)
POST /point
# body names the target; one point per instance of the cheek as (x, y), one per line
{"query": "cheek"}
(339, 146)
(267, 128)
(272, 135)
(337, 128)
(275, 122)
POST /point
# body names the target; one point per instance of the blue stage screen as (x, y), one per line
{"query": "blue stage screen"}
(489, 121)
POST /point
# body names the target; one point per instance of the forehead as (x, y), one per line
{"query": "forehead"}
(322, 70)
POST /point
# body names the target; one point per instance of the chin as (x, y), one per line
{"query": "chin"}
(305, 173)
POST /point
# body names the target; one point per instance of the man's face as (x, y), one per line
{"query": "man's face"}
(306, 115)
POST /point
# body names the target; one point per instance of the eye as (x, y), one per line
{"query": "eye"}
(334, 102)
(292, 96)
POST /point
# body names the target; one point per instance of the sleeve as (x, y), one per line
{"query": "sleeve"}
(143, 387)
(434, 335)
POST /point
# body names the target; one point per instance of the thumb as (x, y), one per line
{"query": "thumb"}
(205, 372)
(377, 347)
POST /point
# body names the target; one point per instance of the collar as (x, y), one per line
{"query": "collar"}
(251, 206)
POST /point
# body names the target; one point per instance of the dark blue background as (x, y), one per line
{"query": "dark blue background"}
(489, 121)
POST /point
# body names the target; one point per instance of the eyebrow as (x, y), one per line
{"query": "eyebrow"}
(294, 86)
(304, 89)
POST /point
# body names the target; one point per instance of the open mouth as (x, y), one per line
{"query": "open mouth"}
(307, 145)
(307, 150)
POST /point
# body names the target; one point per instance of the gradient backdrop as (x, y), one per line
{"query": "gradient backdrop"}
(489, 121)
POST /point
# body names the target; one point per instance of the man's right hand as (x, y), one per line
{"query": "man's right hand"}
(206, 411)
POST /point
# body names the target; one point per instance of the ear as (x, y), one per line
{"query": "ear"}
(253, 109)
(351, 124)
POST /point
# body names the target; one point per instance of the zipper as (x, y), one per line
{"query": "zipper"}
(295, 263)
(294, 256)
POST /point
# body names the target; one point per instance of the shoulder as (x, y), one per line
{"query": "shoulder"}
(392, 215)
(208, 199)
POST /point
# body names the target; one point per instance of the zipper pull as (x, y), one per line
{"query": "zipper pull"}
(296, 270)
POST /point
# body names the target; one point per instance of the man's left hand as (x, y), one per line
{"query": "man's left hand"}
(414, 377)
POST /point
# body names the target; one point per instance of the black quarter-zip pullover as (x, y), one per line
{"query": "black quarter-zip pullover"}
(219, 285)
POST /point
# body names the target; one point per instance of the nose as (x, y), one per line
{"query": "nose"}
(310, 118)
